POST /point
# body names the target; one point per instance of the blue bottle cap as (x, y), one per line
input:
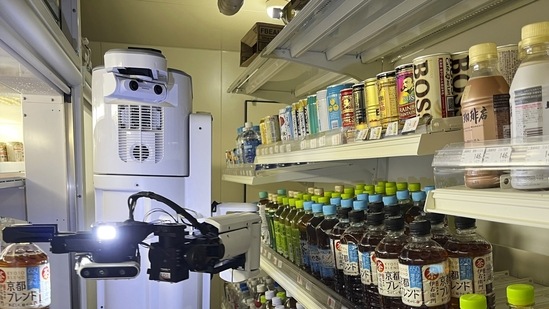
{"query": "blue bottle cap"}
(359, 205)
(317, 208)
(428, 188)
(418, 196)
(308, 205)
(329, 210)
(403, 194)
(348, 203)
(362, 197)
(390, 200)
(374, 198)
(335, 201)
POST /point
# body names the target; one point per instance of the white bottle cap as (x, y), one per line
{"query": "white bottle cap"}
(276, 301)
(270, 294)
(248, 125)
(260, 288)
(288, 294)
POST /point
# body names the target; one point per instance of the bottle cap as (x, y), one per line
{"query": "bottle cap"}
(263, 194)
(359, 186)
(395, 223)
(346, 196)
(420, 227)
(286, 201)
(291, 202)
(472, 301)
(428, 188)
(390, 190)
(329, 210)
(311, 190)
(380, 189)
(391, 210)
(390, 184)
(356, 216)
(381, 183)
(520, 294)
(248, 125)
(482, 52)
(403, 194)
(317, 208)
(336, 194)
(390, 200)
(370, 189)
(314, 198)
(434, 218)
(319, 191)
(534, 33)
(299, 196)
(306, 197)
(263, 299)
(358, 191)
(338, 189)
(335, 201)
(328, 194)
(374, 198)
(414, 186)
(299, 204)
(350, 191)
(324, 200)
(308, 205)
(375, 207)
(343, 213)
(276, 301)
(362, 197)
(375, 218)
(402, 185)
(261, 288)
(291, 193)
(347, 203)
(359, 205)
(281, 295)
(418, 196)
(270, 294)
(281, 191)
(465, 223)
(279, 200)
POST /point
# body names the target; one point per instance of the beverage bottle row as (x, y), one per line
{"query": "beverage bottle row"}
(258, 293)
(519, 296)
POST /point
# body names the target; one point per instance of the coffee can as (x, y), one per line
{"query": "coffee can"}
(347, 111)
(460, 76)
(303, 118)
(273, 130)
(372, 102)
(406, 96)
(386, 87)
(508, 61)
(433, 86)
(263, 130)
(285, 123)
(295, 120)
(360, 104)
(15, 151)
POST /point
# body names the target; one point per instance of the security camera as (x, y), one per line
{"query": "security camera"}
(136, 89)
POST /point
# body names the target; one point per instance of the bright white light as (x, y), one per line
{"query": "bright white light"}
(105, 232)
(274, 12)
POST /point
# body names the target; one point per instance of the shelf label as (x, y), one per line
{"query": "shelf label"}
(336, 139)
(308, 286)
(280, 263)
(322, 141)
(392, 129)
(375, 133)
(281, 148)
(497, 155)
(410, 125)
(361, 135)
(271, 150)
(269, 255)
(299, 280)
(275, 261)
(304, 144)
(472, 156)
(538, 153)
(312, 143)
(331, 302)
(288, 147)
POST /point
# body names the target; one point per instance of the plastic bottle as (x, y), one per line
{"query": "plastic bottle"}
(280, 214)
(370, 189)
(439, 230)
(375, 203)
(304, 245)
(529, 93)
(327, 261)
(290, 302)
(387, 253)
(520, 296)
(262, 206)
(294, 233)
(350, 240)
(282, 225)
(366, 254)
(281, 193)
(272, 207)
(484, 108)
(269, 295)
(288, 230)
(20, 264)
(471, 266)
(391, 207)
(250, 141)
(424, 270)
(260, 293)
(335, 237)
(416, 210)
(239, 144)
(404, 200)
(275, 301)
(473, 301)
(312, 242)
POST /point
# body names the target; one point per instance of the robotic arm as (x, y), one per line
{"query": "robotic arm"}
(227, 244)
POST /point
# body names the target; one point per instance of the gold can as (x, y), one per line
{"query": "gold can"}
(263, 130)
(15, 152)
(372, 105)
(3, 152)
(388, 107)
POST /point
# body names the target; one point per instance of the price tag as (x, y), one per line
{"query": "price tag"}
(304, 145)
(269, 255)
(271, 149)
(362, 134)
(472, 156)
(312, 143)
(497, 155)
(410, 125)
(392, 129)
(276, 148)
(288, 147)
(281, 148)
(331, 302)
(336, 139)
(275, 261)
(375, 133)
(538, 154)
(322, 141)
(279, 263)
(299, 280)
(308, 286)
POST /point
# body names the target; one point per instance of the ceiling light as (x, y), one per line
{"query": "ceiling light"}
(274, 8)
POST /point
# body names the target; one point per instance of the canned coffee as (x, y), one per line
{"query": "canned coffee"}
(386, 87)
(460, 76)
(406, 96)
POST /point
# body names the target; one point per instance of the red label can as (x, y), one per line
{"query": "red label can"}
(406, 96)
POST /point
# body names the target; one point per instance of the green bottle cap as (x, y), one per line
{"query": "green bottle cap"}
(349, 191)
(358, 191)
(381, 183)
(472, 301)
(402, 185)
(520, 294)
(414, 186)
(328, 194)
(299, 204)
(336, 194)
(306, 197)
(380, 189)
(390, 184)
(324, 200)
(285, 201)
(263, 194)
(346, 196)
(280, 200)
(263, 299)
(281, 192)
(299, 196)
(370, 189)
(291, 202)
(390, 190)
(359, 186)
(281, 294)
(314, 198)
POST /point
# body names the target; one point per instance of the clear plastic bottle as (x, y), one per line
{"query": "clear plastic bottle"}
(424, 270)
(484, 108)
(520, 296)
(302, 226)
(288, 230)
(404, 201)
(269, 295)
(262, 206)
(473, 301)
(294, 233)
(280, 214)
(366, 254)
(375, 203)
(471, 267)
(250, 141)
(387, 253)
(24, 266)
(529, 93)
(439, 230)
(312, 242)
(418, 198)
(335, 237)
(350, 240)
(239, 145)
(327, 261)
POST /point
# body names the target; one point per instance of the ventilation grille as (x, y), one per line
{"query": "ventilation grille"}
(140, 133)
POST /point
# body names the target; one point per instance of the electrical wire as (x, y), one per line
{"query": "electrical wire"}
(160, 210)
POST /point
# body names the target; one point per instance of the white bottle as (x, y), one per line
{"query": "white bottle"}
(529, 99)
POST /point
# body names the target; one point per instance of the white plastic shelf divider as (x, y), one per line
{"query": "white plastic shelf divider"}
(11, 180)
(306, 289)
(398, 146)
(528, 208)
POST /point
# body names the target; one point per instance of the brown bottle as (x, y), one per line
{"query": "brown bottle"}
(302, 227)
(335, 237)
(366, 252)
(439, 230)
(387, 253)
(24, 277)
(312, 241)
(471, 267)
(349, 242)
(423, 267)
(325, 254)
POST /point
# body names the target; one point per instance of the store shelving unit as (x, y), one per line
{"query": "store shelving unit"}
(11, 180)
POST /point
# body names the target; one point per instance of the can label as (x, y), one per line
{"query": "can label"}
(25, 287)
(3, 152)
(284, 119)
(433, 86)
(333, 97)
(303, 118)
(274, 129)
(460, 76)
(15, 152)
(387, 100)
(372, 104)
(295, 121)
(313, 115)
(347, 108)
(360, 104)
(425, 285)
(322, 111)
(406, 96)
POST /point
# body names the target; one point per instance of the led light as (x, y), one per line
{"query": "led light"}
(105, 232)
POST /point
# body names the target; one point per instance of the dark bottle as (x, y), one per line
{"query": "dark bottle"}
(375, 203)
(272, 207)
(387, 253)
(312, 242)
(350, 240)
(423, 270)
(439, 230)
(294, 228)
(277, 221)
(404, 201)
(335, 238)
(282, 226)
(471, 267)
(323, 230)
(391, 208)
(418, 198)
(288, 230)
(366, 253)
(302, 227)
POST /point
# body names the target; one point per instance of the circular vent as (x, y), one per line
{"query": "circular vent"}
(140, 152)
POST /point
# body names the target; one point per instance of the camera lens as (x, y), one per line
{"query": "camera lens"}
(134, 85)
(86, 273)
(102, 272)
(158, 89)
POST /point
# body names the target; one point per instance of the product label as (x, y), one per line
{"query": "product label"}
(425, 284)
(460, 76)
(314, 258)
(388, 277)
(387, 100)
(296, 246)
(344, 255)
(351, 266)
(249, 150)
(471, 275)
(305, 258)
(528, 112)
(347, 110)
(303, 116)
(368, 269)
(336, 248)
(406, 95)
(326, 263)
(433, 86)
(25, 287)
(295, 121)
(373, 268)
(289, 243)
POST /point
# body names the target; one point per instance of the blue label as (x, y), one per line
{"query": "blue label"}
(33, 277)
(305, 253)
(366, 261)
(353, 252)
(416, 280)
(249, 150)
(314, 258)
(465, 268)
(327, 264)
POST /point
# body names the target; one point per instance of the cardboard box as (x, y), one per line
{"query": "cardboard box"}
(256, 40)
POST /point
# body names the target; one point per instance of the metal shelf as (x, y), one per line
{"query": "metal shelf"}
(528, 208)
(398, 146)
(306, 289)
